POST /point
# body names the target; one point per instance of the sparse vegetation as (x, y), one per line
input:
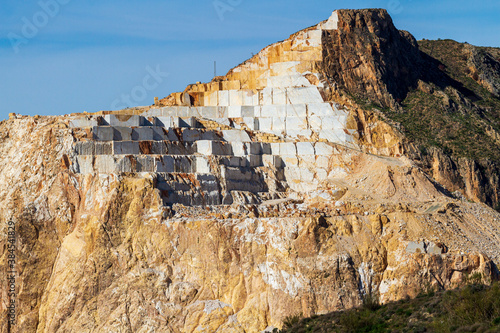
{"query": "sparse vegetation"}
(474, 308)
(292, 320)
(371, 301)
(455, 114)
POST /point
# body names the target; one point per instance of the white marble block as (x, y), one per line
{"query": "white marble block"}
(316, 123)
(222, 112)
(223, 97)
(275, 148)
(208, 112)
(202, 165)
(163, 121)
(266, 96)
(145, 163)
(296, 110)
(254, 160)
(286, 81)
(304, 95)
(273, 111)
(142, 134)
(299, 134)
(265, 124)
(195, 111)
(288, 148)
(208, 147)
(323, 148)
(212, 99)
(247, 111)
(123, 120)
(164, 164)
(306, 175)
(305, 148)
(238, 149)
(250, 97)
(126, 148)
(272, 160)
(85, 165)
(122, 133)
(279, 96)
(334, 135)
(191, 135)
(184, 111)
(105, 164)
(289, 160)
(279, 124)
(253, 148)
(235, 97)
(83, 122)
(296, 123)
(252, 123)
(235, 136)
(332, 122)
(234, 111)
(103, 133)
(319, 109)
(321, 174)
(322, 162)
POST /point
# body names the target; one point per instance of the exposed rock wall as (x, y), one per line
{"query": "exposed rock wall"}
(369, 58)
(476, 180)
(483, 68)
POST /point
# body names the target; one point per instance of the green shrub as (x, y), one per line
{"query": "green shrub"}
(371, 302)
(291, 320)
(474, 308)
(472, 305)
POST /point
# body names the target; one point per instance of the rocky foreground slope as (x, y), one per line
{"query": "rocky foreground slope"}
(268, 192)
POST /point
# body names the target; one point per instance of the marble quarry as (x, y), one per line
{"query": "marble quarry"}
(262, 129)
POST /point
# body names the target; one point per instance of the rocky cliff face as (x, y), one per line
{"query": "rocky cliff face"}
(260, 195)
(484, 68)
(368, 57)
(476, 180)
(457, 100)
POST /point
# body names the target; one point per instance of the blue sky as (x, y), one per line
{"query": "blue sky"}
(64, 56)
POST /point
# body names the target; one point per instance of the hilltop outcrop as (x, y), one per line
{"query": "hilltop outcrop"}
(368, 57)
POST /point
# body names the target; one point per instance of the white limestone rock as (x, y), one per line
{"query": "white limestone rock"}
(236, 136)
(305, 148)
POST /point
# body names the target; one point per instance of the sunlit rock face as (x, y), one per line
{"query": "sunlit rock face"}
(233, 204)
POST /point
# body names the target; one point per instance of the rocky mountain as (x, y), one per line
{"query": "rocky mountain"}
(344, 161)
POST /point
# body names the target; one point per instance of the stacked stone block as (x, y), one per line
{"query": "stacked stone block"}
(267, 114)
(116, 148)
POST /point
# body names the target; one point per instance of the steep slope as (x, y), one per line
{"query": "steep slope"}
(443, 97)
(462, 138)
(236, 203)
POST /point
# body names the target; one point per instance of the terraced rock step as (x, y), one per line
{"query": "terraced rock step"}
(189, 189)
(156, 133)
(260, 132)
(107, 164)
(204, 147)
